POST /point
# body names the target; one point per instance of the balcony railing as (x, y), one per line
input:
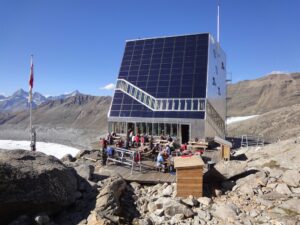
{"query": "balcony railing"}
(161, 104)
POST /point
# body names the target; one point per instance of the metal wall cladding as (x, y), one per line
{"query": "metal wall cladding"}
(170, 67)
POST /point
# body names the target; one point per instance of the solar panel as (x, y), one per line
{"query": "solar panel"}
(170, 67)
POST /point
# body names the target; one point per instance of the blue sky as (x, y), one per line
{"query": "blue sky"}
(79, 44)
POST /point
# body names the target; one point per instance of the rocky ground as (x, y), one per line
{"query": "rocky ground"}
(259, 186)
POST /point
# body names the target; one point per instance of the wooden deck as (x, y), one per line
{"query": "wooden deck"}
(147, 175)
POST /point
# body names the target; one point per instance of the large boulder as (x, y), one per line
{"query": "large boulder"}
(229, 169)
(291, 178)
(32, 182)
(108, 203)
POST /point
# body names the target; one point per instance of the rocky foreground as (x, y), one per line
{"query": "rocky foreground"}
(260, 186)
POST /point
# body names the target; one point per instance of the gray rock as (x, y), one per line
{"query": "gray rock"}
(157, 219)
(293, 205)
(283, 189)
(295, 190)
(203, 214)
(82, 153)
(152, 207)
(231, 168)
(68, 158)
(159, 212)
(254, 213)
(172, 207)
(176, 219)
(204, 201)
(85, 171)
(191, 201)
(135, 185)
(275, 173)
(42, 219)
(291, 178)
(218, 192)
(146, 221)
(226, 212)
(33, 182)
(168, 191)
(108, 200)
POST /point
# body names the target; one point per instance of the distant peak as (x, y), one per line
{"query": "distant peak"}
(76, 92)
(20, 92)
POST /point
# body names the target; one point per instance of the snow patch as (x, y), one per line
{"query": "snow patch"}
(53, 149)
(231, 120)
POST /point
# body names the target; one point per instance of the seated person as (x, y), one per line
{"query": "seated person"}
(160, 162)
(168, 150)
(170, 139)
(183, 147)
(110, 151)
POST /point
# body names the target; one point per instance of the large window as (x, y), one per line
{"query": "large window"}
(174, 130)
(155, 129)
(149, 128)
(168, 129)
(161, 128)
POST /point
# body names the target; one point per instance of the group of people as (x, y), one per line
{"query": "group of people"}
(161, 151)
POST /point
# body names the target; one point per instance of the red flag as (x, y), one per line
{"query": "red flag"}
(30, 81)
(31, 76)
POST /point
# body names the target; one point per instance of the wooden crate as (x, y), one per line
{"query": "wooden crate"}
(189, 176)
(225, 152)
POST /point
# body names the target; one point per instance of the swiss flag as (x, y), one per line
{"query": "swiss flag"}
(30, 81)
(31, 76)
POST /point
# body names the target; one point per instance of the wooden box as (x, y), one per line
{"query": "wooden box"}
(189, 176)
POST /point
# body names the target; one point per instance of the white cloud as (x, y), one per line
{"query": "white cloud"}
(108, 87)
(278, 72)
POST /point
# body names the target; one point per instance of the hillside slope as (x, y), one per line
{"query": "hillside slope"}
(76, 121)
(252, 97)
(283, 123)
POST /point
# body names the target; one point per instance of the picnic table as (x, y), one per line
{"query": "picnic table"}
(197, 147)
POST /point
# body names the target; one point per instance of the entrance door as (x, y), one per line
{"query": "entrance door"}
(130, 127)
(185, 133)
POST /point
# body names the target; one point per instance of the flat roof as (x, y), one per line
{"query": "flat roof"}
(188, 161)
(180, 35)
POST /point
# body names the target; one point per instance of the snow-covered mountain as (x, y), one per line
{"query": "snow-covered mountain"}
(64, 96)
(18, 101)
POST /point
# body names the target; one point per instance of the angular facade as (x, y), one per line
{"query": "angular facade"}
(173, 86)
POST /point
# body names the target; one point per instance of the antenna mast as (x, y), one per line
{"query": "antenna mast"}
(218, 24)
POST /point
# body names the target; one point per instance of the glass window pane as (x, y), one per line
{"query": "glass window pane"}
(149, 128)
(195, 104)
(161, 128)
(174, 130)
(168, 129)
(143, 128)
(155, 129)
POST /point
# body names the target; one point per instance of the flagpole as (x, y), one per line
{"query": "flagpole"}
(30, 97)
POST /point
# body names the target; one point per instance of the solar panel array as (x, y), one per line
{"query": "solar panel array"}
(170, 67)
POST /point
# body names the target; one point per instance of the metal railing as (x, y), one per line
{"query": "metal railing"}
(161, 104)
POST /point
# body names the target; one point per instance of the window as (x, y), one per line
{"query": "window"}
(155, 129)
(223, 67)
(174, 130)
(219, 91)
(215, 54)
(214, 81)
(161, 129)
(149, 128)
(168, 129)
(216, 70)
